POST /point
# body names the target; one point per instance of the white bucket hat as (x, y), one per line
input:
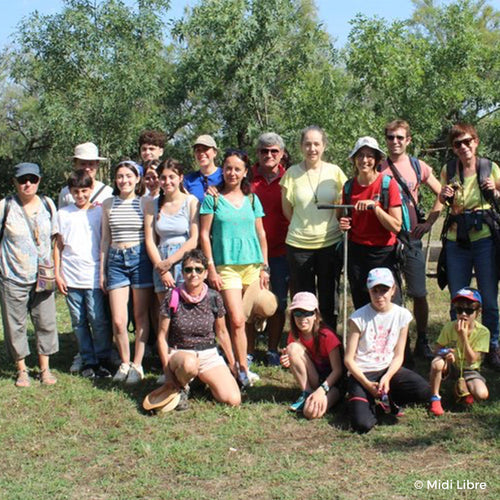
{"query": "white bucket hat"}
(367, 141)
(87, 151)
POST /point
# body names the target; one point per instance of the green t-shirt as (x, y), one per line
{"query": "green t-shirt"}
(234, 238)
(479, 340)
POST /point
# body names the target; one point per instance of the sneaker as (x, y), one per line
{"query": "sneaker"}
(492, 359)
(102, 372)
(260, 325)
(468, 400)
(183, 404)
(88, 372)
(77, 365)
(299, 404)
(122, 372)
(273, 358)
(423, 350)
(161, 379)
(135, 374)
(250, 359)
(253, 377)
(436, 408)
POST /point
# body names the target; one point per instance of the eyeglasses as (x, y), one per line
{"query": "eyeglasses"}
(300, 313)
(193, 269)
(467, 310)
(391, 137)
(266, 151)
(33, 179)
(459, 142)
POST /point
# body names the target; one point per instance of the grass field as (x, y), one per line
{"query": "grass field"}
(80, 440)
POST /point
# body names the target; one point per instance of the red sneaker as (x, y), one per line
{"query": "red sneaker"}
(468, 400)
(436, 409)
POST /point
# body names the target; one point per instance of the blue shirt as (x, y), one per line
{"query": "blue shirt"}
(196, 183)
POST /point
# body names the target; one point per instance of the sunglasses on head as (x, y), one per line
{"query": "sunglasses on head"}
(391, 137)
(300, 313)
(266, 151)
(193, 269)
(33, 179)
(467, 310)
(466, 142)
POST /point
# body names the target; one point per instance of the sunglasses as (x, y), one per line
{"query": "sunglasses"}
(459, 142)
(300, 313)
(266, 151)
(467, 310)
(193, 269)
(33, 179)
(391, 137)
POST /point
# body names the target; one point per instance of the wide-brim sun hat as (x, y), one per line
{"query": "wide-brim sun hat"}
(306, 301)
(163, 399)
(205, 140)
(380, 276)
(258, 303)
(87, 151)
(366, 141)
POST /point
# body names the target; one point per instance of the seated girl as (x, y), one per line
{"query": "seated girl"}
(313, 356)
(374, 355)
(191, 317)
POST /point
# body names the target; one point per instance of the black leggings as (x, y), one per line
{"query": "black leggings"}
(406, 386)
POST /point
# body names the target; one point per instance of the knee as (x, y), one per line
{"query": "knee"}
(295, 352)
(362, 425)
(233, 399)
(480, 393)
(189, 365)
(437, 364)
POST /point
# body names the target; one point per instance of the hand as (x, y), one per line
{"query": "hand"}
(212, 190)
(103, 284)
(363, 205)
(488, 184)
(383, 386)
(264, 279)
(373, 389)
(168, 279)
(214, 279)
(446, 192)
(345, 223)
(163, 266)
(61, 285)
(316, 404)
(284, 358)
(421, 229)
(462, 327)
(450, 357)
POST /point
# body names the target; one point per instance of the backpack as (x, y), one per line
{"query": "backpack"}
(384, 199)
(175, 298)
(8, 201)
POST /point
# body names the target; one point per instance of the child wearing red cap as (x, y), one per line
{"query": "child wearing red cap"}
(460, 348)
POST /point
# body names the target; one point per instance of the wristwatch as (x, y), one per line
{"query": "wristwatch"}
(325, 387)
(266, 269)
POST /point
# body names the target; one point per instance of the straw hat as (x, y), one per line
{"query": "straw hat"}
(163, 399)
(258, 303)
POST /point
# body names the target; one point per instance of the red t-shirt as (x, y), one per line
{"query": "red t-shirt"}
(328, 341)
(366, 229)
(275, 223)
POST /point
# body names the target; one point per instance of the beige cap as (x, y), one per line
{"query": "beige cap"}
(205, 140)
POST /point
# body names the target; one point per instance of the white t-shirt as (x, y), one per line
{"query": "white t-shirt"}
(379, 335)
(66, 199)
(81, 234)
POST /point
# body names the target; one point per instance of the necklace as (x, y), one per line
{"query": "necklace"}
(314, 191)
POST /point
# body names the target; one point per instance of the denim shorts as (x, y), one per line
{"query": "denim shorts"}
(129, 267)
(176, 270)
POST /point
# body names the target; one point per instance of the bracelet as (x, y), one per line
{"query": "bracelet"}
(210, 262)
(325, 387)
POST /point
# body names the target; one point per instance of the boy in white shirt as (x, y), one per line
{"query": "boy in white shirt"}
(76, 260)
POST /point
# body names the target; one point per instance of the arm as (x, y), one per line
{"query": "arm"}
(286, 205)
(261, 234)
(397, 360)
(391, 220)
(350, 363)
(225, 342)
(205, 226)
(149, 234)
(425, 227)
(105, 242)
(60, 281)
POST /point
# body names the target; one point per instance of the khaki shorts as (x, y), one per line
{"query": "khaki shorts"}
(208, 358)
(236, 277)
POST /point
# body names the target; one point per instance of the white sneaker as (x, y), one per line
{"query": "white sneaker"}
(135, 374)
(77, 365)
(253, 377)
(121, 373)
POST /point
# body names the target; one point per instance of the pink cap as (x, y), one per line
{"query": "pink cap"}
(304, 300)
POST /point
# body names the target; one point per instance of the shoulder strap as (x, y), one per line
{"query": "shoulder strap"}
(47, 206)
(384, 192)
(174, 300)
(94, 196)
(212, 297)
(451, 170)
(6, 209)
(417, 168)
(347, 191)
(402, 184)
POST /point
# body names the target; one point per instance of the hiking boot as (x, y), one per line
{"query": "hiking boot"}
(122, 372)
(436, 408)
(423, 350)
(77, 364)
(135, 374)
(273, 358)
(88, 372)
(492, 359)
(102, 372)
(300, 403)
(183, 404)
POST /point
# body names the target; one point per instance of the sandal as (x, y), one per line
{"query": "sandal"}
(46, 377)
(23, 378)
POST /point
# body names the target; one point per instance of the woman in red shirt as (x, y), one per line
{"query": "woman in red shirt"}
(372, 228)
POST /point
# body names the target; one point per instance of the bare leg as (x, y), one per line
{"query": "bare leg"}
(222, 385)
(185, 366)
(118, 302)
(437, 366)
(275, 325)
(478, 389)
(142, 298)
(234, 305)
(302, 367)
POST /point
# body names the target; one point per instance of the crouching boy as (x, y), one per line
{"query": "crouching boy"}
(460, 348)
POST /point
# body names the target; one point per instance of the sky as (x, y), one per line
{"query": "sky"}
(335, 14)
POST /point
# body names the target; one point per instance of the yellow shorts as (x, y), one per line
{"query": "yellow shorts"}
(236, 277)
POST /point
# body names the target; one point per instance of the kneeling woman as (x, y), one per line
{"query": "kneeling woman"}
(191, 317)
(374, 355)
(313, 356)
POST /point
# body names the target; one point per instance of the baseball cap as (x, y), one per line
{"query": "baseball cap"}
(468, 293)
(304, 300)
(205, 140)
(25, 169)
(380, 276)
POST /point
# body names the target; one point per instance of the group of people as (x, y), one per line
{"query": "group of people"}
(180, 255)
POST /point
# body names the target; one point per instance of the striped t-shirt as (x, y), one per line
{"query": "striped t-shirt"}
(126, 220)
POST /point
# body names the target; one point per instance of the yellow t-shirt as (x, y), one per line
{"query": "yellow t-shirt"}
(310, 227)
(469, 197)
